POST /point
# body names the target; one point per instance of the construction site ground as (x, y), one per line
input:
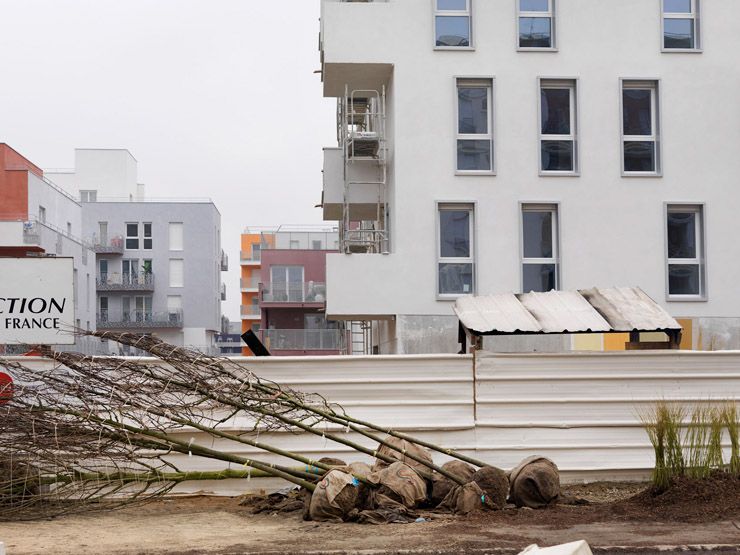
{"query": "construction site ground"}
(619, 517)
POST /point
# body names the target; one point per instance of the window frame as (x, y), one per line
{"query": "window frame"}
(132, 237)
(551, 14)
(654, 85)
(572, 84)
(453, 13)
(476, 82)
(698, 208)
(149, 237)
(556, 259)
(695, 16)
(471, 207)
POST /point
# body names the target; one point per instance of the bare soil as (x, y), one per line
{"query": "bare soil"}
(606, 515)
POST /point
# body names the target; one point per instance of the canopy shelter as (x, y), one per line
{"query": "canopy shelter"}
(596, 310)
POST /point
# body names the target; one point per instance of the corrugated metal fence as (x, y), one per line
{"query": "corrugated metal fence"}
(581, 410)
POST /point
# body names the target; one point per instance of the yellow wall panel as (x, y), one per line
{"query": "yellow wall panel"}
(615, 341)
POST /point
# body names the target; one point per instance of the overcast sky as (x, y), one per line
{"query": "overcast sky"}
(214, 99)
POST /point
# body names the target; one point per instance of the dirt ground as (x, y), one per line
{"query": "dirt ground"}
(605, 514)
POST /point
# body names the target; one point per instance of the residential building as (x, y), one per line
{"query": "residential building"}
(284, 290)
(159, 261)
(229, 341)
(37, 218)
(487, 147)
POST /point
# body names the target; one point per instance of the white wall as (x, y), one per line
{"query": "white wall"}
(612, 227)
(110, 172)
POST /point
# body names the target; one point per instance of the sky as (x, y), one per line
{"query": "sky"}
(214, 99)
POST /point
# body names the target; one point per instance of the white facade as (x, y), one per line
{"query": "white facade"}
(612, 224)
(110, 173)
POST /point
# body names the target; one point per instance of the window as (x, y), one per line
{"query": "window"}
(474, 123)
(103, 314)
(176, 236)
(132, 236)
(681, 24)
(295, 244)
(685, 252)
(287, 283)
(316, 245)
(255, 328)
(103, 230)
(640, 128)
(540, 257)
(455, 257)
(558, 153)
(452, 23)
(42, 214)
(69, 228)
(147, 236)
(536, 24)
(177, 272)
(88, 196)
(256, 252)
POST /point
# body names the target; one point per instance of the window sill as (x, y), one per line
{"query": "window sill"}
(455, 48)
(534, 49)
(453, 298)
(559, 174)
(642, 174)
(686, 299)
(475, 173)
(682, 50)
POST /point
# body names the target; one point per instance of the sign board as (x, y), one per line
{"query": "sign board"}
(37, 301)
(6, 388)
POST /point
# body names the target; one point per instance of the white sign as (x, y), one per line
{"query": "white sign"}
(37, 301)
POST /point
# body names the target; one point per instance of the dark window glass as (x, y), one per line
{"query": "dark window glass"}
(472, 110)
(453, 31)
(537, 234)
(683, 279)
(639, 156)
(636, 108)
(454, 233)
(534, 5)
(132, 230)
(682, 235)
(458, 5)
(678, 33)
(555, 105)
(677, 6)
(455, 279)
(557, 155)
(535, 32)
(539, 277)
(474, 155)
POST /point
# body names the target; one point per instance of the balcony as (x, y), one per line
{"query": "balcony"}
(139, 319)
(112, 246)
(364, 196)
(250, 312)
(249, 258)
(224, 261)
(223, 291)
(143, 281)
(304, 340)
(311, 292)
(250, 285)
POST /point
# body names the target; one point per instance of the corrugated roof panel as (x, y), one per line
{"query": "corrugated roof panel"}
(563, 311)
(499, 313)
(629, 308)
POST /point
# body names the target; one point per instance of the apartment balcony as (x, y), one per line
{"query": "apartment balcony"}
(305, 340)
(139, 319)
(250, 259)
(110, 246)
(125, 282)
(250, 312)
(224, 261)
(297, 294)
(250, 285)
(354, 36)
(365, 194)
(223, 291)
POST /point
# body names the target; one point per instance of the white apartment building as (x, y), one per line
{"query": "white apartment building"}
(488, 146)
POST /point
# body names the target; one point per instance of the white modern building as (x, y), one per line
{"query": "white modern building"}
(488, 146)
(158, 261)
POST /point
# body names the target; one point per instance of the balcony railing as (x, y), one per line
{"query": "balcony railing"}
(309, 292)
(143, 281)
(223, 291)
(304, 340)
(114, 245)
(250, 283)
(224, 261)
(250, 311)
(144, 319)
(250, 257)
